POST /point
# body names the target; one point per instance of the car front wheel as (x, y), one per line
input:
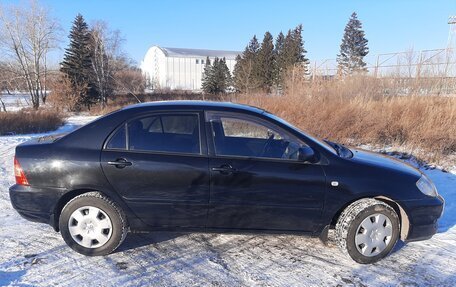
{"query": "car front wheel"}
(367, 230)
(92, 224)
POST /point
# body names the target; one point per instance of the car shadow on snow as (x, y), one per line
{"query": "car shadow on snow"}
(8, 278)
(399, 245)
(137, 240)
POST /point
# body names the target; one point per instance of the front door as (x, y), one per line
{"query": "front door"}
(158, 165)
(257, 181)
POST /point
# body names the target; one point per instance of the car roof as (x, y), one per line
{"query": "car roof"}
(195, 104)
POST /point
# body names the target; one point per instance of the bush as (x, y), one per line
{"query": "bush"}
(64, 95)
(29, 121)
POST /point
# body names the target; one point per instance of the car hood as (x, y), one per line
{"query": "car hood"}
(383, 161)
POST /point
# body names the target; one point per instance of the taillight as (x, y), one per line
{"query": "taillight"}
(19, 173)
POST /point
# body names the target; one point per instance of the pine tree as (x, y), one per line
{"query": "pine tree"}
(294, 52)
(239, 80)
(253, 48)
(214, 89)
(299, 45)
(245, 76)
(216, 77)
(208, 77)
(222, 76)
(279, 60)
(265, 70)
(77, 63)
(353, 48)
(290, 56)
(288, 51)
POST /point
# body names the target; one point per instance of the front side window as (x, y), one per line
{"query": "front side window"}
(249, 137)
(165, 133)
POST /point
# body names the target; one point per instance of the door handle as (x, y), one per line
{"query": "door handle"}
(224, 169)
(120, 163)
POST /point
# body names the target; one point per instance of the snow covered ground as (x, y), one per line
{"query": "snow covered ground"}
(33, 254)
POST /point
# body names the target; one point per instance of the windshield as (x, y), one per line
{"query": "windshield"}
(319, 141)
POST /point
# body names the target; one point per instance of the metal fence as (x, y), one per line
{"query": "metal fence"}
(408, 64)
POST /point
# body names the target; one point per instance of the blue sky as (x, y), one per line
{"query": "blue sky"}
(390, 26)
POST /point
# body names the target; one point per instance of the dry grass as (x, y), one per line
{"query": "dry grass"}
(355, 111)
(30, 121)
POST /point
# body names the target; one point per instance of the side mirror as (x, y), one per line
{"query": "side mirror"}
(306, 154)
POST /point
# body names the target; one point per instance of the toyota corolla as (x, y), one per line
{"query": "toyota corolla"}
(218, 167)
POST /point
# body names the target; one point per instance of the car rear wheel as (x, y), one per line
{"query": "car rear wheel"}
(367, 230)
(92, 224)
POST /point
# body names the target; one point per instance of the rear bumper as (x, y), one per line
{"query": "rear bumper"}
(35, 204)
(423, 215)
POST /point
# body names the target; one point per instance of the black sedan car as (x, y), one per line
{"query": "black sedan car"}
(204, 166)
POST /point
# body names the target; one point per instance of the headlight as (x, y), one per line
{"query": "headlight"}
(426, 186)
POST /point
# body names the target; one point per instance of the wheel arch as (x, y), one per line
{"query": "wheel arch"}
(403, 217)
(66, 197)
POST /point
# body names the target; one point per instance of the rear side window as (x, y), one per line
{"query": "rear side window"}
(118, 140)
(165, 133)
(180, 124)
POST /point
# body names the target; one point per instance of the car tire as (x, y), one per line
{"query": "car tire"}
(92, 224)
(367, 230)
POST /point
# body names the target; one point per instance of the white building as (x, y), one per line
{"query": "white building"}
(177, 68)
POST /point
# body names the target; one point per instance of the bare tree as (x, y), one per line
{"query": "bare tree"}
(10, 78)
(129, 80)
(409, 57)
(27, 35)
(106, 50)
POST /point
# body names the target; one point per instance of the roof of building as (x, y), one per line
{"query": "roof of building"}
(184, 52)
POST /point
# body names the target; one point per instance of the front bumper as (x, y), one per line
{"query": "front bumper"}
(423, 215)
(35, 204)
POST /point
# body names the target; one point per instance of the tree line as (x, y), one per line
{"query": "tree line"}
(94, 68)
(266, 66)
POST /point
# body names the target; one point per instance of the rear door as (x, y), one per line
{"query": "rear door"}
(257, 182)
(158, 164)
